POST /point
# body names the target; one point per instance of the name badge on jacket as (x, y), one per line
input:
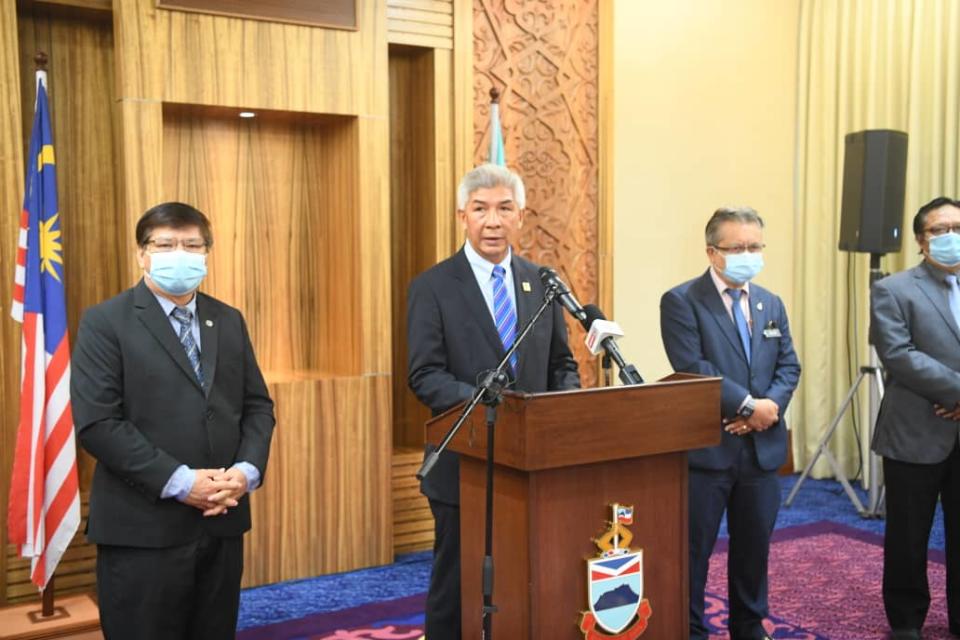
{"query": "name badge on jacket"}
(772, 330)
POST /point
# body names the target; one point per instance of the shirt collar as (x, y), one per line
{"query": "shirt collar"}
(723, 286)
(169, 305)
(479, 263)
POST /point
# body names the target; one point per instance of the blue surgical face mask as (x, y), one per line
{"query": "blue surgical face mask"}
(743, 267)
(945, 249)
(178, 272)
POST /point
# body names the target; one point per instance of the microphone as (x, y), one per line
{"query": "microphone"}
(602, 335)
(550, 279)
(600, 330)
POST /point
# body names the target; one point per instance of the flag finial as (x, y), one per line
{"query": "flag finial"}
(494, 95)
(41, 60)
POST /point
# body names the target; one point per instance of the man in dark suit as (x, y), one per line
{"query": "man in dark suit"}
(168, 397)
(915, 327)
(462, 313)
(721, 324)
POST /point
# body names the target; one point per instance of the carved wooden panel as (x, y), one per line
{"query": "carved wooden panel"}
(543, 57)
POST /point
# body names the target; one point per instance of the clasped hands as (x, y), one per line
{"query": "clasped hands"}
(216, 490)
(949, 414)
(766, 413)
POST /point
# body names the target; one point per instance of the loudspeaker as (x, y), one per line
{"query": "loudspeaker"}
(874, 177)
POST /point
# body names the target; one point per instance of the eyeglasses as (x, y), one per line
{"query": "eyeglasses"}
(941, 229)
(165, 245)
(742, 248)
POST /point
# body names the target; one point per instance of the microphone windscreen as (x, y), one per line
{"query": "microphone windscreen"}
(547, 274)
(593, 313)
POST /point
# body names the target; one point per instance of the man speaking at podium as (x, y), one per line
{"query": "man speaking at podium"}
(462, 315)
(721, 324)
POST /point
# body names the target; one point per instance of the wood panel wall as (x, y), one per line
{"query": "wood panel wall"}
(11, 199)
(80, 87)
(300, 210)
(544, 59)
(281, 191)
(299, 198)
(413, 212)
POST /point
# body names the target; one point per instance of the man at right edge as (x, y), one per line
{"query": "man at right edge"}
(915, 327)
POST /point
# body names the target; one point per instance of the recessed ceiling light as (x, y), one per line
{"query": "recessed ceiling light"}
(247, 114)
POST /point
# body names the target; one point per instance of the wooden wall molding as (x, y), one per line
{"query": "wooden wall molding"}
(420, 23)
(334, 14)
(544, 58)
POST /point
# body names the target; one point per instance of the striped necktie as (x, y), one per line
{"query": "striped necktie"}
(504, 314)
(738, 318)
(185, 317)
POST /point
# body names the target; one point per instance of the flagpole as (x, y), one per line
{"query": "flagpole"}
(47, 594)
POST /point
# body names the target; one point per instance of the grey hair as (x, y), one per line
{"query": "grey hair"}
(743, 215)
(487, 176)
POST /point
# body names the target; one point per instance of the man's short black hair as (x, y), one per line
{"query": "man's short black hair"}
(175, 215)
(920, 220)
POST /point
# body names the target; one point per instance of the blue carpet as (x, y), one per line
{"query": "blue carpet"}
(408, 576)
(818, 500)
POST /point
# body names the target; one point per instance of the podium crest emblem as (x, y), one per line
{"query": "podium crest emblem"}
(618, 610)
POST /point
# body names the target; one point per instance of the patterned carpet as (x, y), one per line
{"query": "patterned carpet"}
(825, 570)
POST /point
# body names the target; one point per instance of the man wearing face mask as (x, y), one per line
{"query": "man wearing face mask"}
(722, 324)
(168, 397)
(915, 327)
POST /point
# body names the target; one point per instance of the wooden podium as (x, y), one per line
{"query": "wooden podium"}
(561, 459)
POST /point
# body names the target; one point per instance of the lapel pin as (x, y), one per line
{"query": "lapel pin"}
(759, 306)
(526, 286)
(209, 323)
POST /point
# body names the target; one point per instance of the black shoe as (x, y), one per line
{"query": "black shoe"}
(906, 634)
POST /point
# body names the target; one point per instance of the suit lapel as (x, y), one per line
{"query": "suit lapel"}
(710, 298)
(526, 304)
(759, 312)
(476, 305)
(151, 315)
(209, 340)
(937, 293)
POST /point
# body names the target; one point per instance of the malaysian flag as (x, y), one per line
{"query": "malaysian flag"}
(44, 509)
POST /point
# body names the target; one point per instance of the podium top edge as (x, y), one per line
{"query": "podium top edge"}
(675, 379)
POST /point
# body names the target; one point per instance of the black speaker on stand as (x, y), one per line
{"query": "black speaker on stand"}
(871, 221)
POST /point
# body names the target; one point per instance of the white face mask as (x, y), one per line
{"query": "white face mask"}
(178, 272)
(743, 267)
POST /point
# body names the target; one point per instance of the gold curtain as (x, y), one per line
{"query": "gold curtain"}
(863, 64)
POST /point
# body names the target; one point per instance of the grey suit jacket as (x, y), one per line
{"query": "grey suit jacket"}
(918, 342)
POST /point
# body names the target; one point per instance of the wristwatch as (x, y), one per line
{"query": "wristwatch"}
(748, 407)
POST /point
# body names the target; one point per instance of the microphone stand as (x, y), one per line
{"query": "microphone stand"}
(489, 392)
(607, 365)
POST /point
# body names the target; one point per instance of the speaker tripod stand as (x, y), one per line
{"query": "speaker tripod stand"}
(873, 374)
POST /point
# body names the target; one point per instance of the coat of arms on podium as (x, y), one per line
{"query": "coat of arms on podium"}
(618, 610)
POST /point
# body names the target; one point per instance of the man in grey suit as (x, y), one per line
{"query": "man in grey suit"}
(915, 327)
(462, 315)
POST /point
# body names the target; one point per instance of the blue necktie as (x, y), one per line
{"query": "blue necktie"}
(953, 295)
(504, 314)
(185, 317)
(742, 327)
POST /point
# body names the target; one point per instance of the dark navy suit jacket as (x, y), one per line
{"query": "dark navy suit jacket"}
(700, 337)
(451, 339)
